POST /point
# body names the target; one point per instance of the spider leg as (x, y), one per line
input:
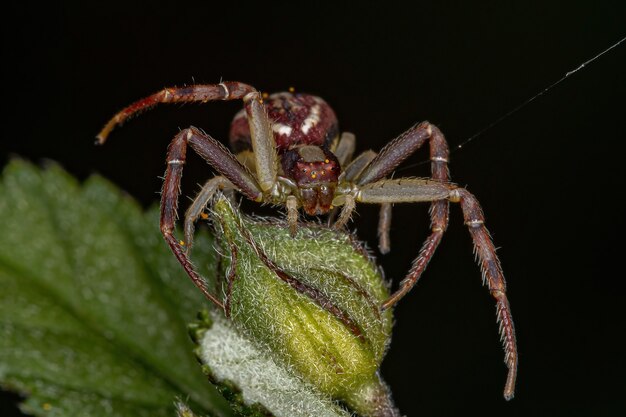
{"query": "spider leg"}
(263, 143)
(420, 190)
(292, 214)
(352, 171)
(346, 211)
(402, 147)
(387, 160)
(356, 167)
(348, 175)
(225, 163)
(201, 93)
(200, 203)
(344, 149)
(393, 155)
(493, 276)
(384, 224)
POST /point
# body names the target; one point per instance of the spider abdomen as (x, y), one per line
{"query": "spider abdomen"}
(297, 119)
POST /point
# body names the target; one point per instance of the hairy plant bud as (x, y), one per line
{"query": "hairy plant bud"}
(312, 300)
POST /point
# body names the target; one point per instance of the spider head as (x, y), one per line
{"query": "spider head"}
(315, 171)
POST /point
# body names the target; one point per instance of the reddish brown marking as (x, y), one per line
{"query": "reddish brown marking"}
(395, 152)
(223, 161)
(305, 173)
(313, 293)
(316, 180)
(494, 277)
(316, 296)
(439, 223)
(218, 156)
(291, 111)
(371, 301)
(232, 275)
(230, 90)
(439, 210)
(169, 204)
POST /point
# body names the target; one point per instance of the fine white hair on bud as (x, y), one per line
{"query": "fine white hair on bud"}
(310, 301)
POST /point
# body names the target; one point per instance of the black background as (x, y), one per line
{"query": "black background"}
(550, 177)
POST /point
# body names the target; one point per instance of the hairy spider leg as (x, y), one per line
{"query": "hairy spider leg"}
(373, 168)
(225, 163)
(384, 226)
(218, 156)
(494, 278)
(439, 191)
(406, 190)
(350, 173)
(263, 144)
(199, 93)
(410, 141)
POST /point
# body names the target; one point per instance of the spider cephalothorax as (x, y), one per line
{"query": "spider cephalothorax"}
(315, 171)
(289, 153)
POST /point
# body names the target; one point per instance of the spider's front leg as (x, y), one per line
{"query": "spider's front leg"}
(266, 158)
(225, 163)
(405, 190)
(348, 176)
(265, 161)
(262, 187)
(200, 203)
(199, 93)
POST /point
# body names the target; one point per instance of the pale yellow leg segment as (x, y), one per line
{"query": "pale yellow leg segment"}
(200, 203)
(384, 224)
(346, 212)
(292, 214)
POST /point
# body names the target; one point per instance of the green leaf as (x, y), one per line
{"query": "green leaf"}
(93, 307)
(93, 311)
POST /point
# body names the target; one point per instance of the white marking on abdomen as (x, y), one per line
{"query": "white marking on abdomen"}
(312, 119)
(281, 129)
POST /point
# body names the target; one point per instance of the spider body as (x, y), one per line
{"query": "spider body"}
(304, 128)
(289, 153)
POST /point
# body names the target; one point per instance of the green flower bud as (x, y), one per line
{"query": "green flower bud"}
(312, 300)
